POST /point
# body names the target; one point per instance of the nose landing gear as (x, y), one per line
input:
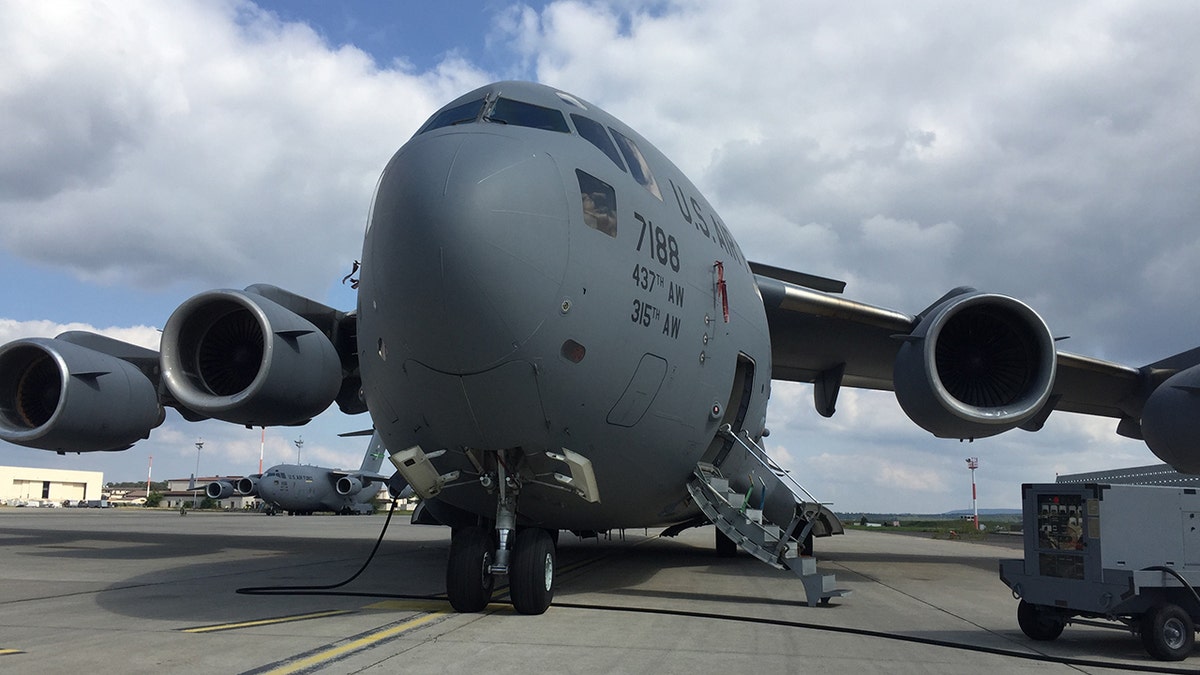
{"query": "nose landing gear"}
(479, 554)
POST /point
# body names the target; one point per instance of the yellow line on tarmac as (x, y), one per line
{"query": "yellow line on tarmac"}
(6, 652)
(265, 622)
(427, 606)
(409, 605)
(361, 643)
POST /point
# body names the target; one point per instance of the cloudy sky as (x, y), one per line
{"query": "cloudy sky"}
(152, 150)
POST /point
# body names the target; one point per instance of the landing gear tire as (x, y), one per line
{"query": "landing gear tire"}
(468, 582)
(726, 547)
(1168, 633)
(1039, 623)
(531, 576)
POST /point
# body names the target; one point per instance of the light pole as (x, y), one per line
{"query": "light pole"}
(972, 464)
(299, 444)
(199, 444)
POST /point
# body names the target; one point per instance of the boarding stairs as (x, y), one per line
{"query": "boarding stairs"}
(777, 544)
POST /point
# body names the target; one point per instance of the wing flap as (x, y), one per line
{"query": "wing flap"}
(1096, 387)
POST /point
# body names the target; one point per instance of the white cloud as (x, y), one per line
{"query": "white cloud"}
(143, 336)
(150, 143)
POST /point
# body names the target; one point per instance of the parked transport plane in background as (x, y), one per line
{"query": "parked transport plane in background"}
(301, 489)
(555, 330)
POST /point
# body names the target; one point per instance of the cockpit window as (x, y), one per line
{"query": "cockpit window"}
(637, 163)
(571, 99)
(599, 203)
(508, 111)
(459, 114)
(593, 132)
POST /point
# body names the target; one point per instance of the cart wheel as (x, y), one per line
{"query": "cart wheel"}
(1039, 623)
(1168, 633)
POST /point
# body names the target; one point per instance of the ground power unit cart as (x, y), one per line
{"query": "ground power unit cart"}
(1123, 556)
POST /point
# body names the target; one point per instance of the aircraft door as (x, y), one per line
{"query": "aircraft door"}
(735, 409)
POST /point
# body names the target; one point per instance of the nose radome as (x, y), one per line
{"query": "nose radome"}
(468, 247)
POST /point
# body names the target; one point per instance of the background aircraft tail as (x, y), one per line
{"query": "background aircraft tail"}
(373, 459)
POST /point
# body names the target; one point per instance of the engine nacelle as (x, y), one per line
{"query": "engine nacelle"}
(248, 486)
(56, 395)
(977, 364)
(219, 489)
(239, 357)
(1171, 421)
(348, 485)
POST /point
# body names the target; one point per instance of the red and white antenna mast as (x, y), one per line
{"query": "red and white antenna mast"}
(972, 464)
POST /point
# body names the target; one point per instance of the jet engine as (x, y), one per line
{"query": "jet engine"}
(57, 395)
(1171, 421)
(219, 489)
(348, 485)
(977, 364)
(248, 486)
(240, 357)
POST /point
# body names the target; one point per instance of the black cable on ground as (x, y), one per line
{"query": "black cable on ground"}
(301, 590)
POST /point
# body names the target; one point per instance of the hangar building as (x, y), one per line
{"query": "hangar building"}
(20, 483)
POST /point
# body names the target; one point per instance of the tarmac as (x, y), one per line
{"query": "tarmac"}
(136, 591)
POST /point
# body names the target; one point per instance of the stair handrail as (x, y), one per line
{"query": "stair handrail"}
(760, 455)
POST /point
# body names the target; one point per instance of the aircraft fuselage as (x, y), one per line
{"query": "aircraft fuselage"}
(538, 276)
(298, 488)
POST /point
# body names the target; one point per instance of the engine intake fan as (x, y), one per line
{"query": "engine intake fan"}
(977, 364)
(240, 357)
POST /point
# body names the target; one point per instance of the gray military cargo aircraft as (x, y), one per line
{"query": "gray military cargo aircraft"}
(301, 489)
(555, 330)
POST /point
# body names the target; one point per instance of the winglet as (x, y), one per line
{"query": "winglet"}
(817, 283)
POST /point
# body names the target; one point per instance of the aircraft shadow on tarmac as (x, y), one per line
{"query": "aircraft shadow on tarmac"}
(401, 567)
(624, 568)
(208, 588)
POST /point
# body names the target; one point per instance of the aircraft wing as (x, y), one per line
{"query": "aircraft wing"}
(365, 476)
(258, 357)
(970, 365)
(349, 483)
(816, 335)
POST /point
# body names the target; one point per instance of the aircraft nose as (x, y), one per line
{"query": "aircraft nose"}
(467, 246)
